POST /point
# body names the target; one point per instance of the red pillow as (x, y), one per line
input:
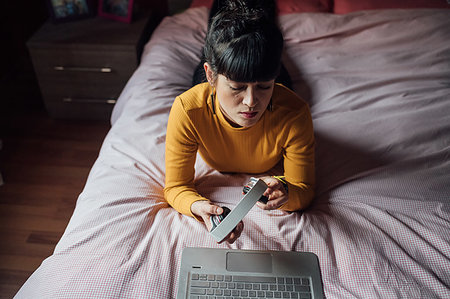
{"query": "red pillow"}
(285, 6)
(346, 6)
(198, 3)
(295, 6)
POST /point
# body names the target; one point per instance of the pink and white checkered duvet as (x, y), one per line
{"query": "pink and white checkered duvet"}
(378, 83)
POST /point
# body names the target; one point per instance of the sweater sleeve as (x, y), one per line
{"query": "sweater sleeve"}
(299, 169)
(181, 151)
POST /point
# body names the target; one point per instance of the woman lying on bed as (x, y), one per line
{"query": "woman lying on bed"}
(240, 120)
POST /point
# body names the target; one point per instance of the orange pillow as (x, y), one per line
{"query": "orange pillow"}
(346, 6)
(285, 6)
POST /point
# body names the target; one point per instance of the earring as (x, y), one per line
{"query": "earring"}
(212, 101)
(270, 106)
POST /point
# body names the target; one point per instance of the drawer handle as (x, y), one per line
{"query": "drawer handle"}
(83, 69)
(84, 100)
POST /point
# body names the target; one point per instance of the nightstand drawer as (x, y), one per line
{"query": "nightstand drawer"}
(94, 85)
(82, 75)
(74, 62)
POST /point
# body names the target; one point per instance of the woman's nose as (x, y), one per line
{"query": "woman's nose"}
(249, 98)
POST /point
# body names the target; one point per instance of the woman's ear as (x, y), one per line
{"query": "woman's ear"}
(209, 73)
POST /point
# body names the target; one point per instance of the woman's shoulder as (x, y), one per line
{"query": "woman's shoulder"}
(286, 100)
(195, 97)
(290, 113)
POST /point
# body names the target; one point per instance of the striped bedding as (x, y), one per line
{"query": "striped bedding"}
(378, 84)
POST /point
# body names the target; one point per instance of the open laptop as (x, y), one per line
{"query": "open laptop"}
(232, 273)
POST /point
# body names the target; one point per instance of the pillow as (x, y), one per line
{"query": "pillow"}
(346, 6)
(198, 3)
(285, 6)
(295, 6)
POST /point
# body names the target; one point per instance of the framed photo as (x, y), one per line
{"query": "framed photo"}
(119, 10)
(69, 10)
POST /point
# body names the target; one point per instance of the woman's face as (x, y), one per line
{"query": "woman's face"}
(241, 103)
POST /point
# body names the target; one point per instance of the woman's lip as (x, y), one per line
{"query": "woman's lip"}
(249, 114)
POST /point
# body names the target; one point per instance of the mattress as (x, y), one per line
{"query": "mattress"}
(378, 86)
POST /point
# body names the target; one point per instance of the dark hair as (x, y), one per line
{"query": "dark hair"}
(244, 43)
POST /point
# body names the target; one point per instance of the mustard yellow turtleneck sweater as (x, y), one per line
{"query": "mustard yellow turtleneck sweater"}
(285, 132)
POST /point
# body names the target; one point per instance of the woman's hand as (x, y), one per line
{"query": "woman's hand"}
(204, 209)
(276, 193)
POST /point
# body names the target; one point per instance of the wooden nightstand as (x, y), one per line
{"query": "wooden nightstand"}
(82, 66)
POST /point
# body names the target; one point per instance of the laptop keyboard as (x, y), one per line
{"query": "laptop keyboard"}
(211, 286)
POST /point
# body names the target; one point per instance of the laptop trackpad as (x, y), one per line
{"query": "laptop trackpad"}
(249, 262)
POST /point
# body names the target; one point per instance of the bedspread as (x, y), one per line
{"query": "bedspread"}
(378, 84)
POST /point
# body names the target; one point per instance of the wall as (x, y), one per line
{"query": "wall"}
(18, 85)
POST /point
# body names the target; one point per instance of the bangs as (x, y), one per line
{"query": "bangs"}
(249, 58)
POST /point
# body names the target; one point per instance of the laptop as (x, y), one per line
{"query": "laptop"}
(233, 273)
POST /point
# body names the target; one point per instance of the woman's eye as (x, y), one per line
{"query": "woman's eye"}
(265, 87)
(237, 88)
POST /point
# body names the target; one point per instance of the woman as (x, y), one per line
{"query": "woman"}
(240, 120)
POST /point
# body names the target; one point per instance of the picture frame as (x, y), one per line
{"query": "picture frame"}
(119, 10)
(70, 10)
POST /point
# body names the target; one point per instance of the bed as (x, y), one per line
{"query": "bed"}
(378, 85)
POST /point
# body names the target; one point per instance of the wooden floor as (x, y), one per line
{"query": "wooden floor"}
(44, 164)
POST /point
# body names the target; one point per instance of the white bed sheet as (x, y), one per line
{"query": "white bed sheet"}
(378, 83)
